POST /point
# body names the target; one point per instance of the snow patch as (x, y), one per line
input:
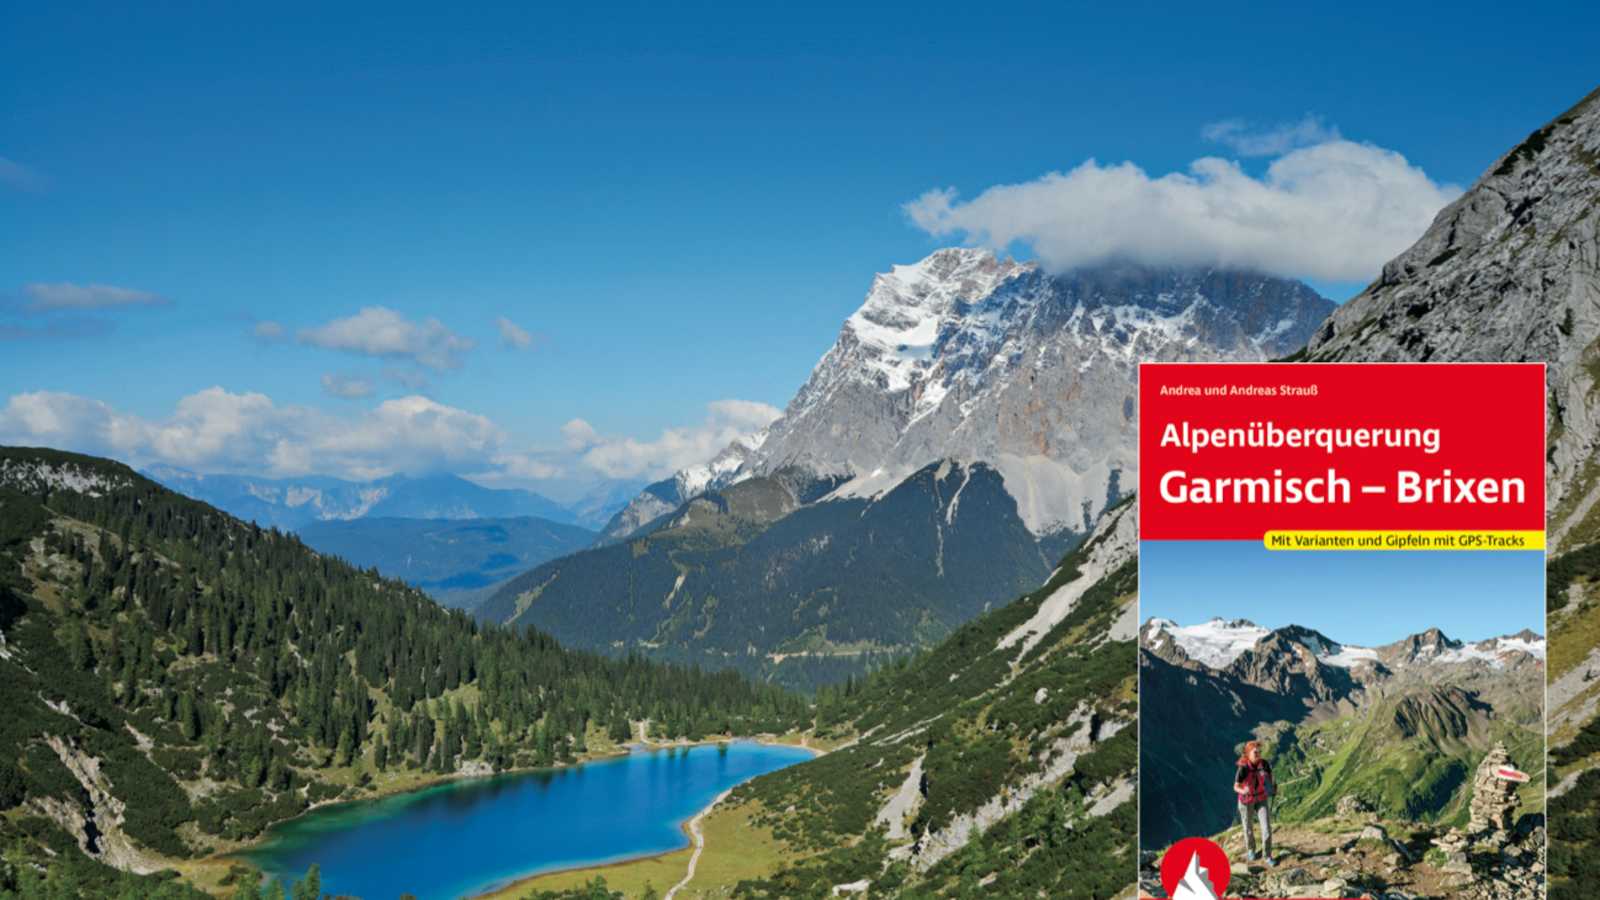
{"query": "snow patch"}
(1347, 656)
(297, 496)
(1215, 643)
(28, 475)
(1494, 651)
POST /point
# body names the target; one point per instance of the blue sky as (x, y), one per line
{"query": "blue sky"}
(1364, 598)
(673, 207)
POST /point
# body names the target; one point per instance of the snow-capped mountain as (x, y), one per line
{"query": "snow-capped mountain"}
(973, 358)
(664, 496)
(1214, 643)
(1219, 642)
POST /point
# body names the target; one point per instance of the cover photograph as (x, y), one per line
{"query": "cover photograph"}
(1342, 651)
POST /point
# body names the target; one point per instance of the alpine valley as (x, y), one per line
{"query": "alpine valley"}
(939, 504)
(973, 421)
(176, 680)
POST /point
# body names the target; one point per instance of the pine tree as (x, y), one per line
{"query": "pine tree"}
(188, 716)
(346, 748)
(310, 887)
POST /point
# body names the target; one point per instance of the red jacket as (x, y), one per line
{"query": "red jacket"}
(1256, 778)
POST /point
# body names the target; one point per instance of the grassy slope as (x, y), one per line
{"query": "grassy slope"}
(797, 832)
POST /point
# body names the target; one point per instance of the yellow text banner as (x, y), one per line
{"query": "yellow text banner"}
(1404, 540)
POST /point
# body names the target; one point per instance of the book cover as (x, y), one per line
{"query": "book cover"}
(1342, 652)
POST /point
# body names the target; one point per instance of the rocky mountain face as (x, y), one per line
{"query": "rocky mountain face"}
(1508, 272)
(290, 503)
(1425, 705)
(971, 358)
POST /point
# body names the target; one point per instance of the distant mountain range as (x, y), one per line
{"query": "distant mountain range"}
(454, 560)
(292, 503)
(1400, 726)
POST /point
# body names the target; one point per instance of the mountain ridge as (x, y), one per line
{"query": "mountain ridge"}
(946, 357)
(291, 503)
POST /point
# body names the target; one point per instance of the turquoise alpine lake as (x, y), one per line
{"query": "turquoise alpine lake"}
(468, 836)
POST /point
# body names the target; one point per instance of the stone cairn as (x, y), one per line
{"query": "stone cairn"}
(1493, 811)
(1494, 800)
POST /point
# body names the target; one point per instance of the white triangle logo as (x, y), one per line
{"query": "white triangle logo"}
(1196, 883)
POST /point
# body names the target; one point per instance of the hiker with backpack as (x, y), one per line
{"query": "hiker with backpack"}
(1252, 782)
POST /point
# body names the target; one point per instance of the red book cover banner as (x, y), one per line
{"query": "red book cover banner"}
(1342, 649)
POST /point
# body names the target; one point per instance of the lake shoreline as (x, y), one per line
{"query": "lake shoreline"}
(241, 852)
(507, 887)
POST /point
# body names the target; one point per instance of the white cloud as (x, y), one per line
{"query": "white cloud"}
(1337, 211)
(675, 448)
(268, 331)
(46, 418)
(523, 467)
(16, 175)
(512, 336)
(65, 295)
(1276, 140)
(217, 430)
(349, 387)
(579, 435)
(213, 424)
(381, 332)
(410, 434)
(750, 415)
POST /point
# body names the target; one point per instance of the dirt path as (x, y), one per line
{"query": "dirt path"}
(699, 843)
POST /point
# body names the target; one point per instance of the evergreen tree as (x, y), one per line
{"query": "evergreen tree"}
(188, 716)
(309, 887)
(12, 787)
